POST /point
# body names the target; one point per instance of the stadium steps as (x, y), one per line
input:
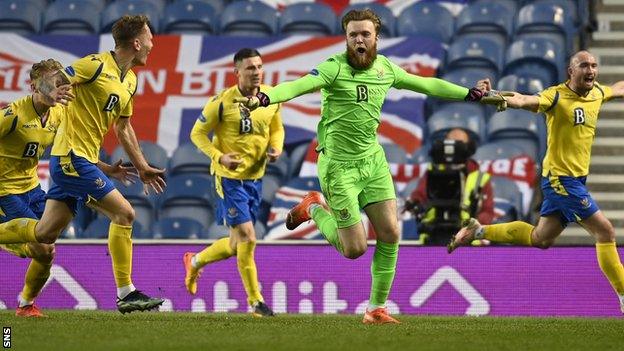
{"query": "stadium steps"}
(606, 178)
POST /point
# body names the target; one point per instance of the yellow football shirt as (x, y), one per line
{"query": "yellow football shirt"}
(23, 139)
(102, 96)
(571, 124)
(238, 130)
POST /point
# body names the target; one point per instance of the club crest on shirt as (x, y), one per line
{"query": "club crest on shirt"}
(380, 72)
(232, 212)
(100, 183)
(344, 214)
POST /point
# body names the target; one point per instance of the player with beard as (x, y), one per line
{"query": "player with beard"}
(352, 167)
(571, 111)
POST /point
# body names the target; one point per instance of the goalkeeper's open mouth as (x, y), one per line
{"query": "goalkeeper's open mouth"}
(361, 50)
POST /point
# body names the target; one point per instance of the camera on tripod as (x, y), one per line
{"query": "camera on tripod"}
(445, 208)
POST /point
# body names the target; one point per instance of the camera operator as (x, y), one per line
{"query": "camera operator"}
(452, 190)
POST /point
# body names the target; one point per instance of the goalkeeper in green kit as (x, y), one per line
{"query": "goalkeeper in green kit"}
(352, 167)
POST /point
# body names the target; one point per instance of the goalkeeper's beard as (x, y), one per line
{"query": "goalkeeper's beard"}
(359, 61)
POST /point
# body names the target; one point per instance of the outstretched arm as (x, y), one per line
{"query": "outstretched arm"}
(323, 75)
(432, 87)
(525, 102)
(618, 89)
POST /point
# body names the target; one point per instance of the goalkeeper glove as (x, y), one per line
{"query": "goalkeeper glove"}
(474, 94)
(254, 101)
(496, 97)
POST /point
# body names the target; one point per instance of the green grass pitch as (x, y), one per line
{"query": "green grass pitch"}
(97, 330)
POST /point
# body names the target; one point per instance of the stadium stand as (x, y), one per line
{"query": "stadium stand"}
(177, 228)
(426, 19)
(189, 17)
(187, 158)
(19, 17)
(116, 9)
(251, 19)
(308, 18)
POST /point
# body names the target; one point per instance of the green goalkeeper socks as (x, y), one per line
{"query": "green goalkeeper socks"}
(383, 269)
(327, 225)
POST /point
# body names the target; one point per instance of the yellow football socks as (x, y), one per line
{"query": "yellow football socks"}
(218, 251)
(19, 230)
(610, 264)
(120, 248)
(36, 276)
(247, 270)
(517, 233)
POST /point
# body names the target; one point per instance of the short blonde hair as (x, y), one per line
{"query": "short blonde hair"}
(40, 68)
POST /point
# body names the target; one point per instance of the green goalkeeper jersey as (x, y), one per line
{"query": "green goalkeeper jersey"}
(352, 100)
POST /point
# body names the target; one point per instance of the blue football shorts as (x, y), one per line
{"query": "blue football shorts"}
(240, 202)
(568, 197)
(76, 179)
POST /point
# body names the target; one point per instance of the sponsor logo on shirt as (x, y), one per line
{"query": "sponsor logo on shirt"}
(70, 71)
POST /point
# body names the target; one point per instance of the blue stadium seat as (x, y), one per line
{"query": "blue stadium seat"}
(519, 127)
(155, 155)
(19, 17)
(187, 158)
(468, 77)
(308, 18)
(159, 4)
(510, 5)
(475, 53)
(395, 154)
(189, 17)
(103, 156)
(189, 196)
(388, 21)
(177, 228)
(468, 116)
(144, 205)
(486, 17)
(427, 19)
(522, 84)
(507, 197)
(129, 7)
(71, 17)
(72, 231)
(535, 56)
(215, 231)
(98, 229)
(217, 5)
(498, 150)
(546, 19)
(251, 19)
(574, 9)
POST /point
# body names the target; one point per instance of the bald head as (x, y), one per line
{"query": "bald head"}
(581, 56)
(582, 71)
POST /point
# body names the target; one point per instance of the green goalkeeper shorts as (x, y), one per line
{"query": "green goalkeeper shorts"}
(349, 186)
